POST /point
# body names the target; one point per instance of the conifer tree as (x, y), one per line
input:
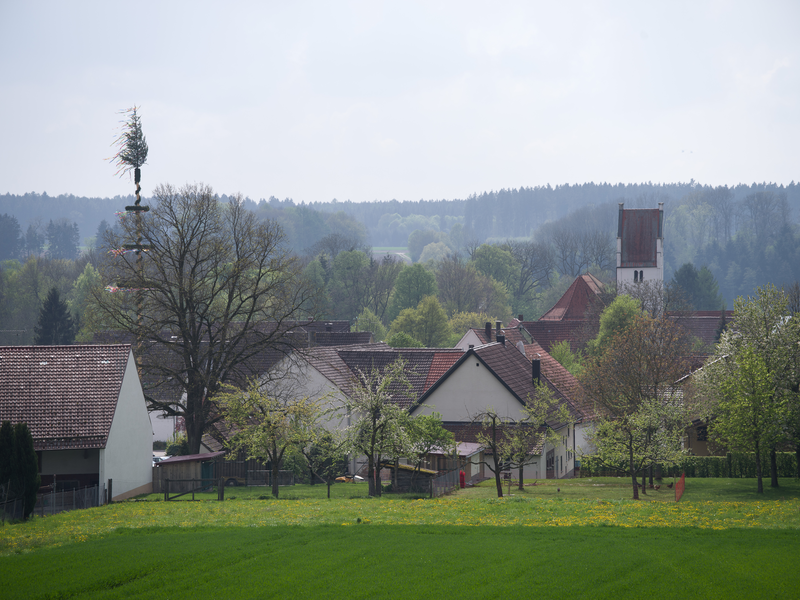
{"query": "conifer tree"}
(55, 326)
(6, 454)
(26, 477)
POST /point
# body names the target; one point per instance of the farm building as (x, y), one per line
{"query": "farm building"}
(86, 411)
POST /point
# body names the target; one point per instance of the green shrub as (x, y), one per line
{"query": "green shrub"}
(733, 464)
(177, 446)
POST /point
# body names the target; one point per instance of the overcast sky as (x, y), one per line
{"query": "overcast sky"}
(374, 101)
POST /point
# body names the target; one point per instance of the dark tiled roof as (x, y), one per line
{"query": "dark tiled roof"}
(341, 365)
(66, 394)
(298, 335)
(703, 324)
(341, 338)
(549, 333)
(639, 229)
(513, 335)
(573, 304)
(515, 371)
(560, 378)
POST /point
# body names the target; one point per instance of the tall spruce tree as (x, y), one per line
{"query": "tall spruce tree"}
(55, 326)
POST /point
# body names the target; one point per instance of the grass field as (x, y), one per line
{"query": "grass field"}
(581, 538)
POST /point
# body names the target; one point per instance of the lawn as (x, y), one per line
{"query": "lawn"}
(579, 537)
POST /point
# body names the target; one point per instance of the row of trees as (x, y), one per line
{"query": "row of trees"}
(498, 280)
(749, 390)
(273, 424)
(61, 236)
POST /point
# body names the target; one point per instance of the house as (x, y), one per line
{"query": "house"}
(87, 414)
(553, 372)
(640, 245)
(499, 376)
(459, 384)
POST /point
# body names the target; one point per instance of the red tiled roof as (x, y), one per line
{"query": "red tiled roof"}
(441, 363)
(573, 304)
(66, 394)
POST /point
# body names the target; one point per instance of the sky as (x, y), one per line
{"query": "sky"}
(403, 100)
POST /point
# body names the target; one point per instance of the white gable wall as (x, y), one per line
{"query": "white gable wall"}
(470, 339)
(127, 457)
(469, 391)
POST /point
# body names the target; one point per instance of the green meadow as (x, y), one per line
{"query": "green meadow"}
(583, 538)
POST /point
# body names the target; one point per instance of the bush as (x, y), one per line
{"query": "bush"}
(733, 464)
(177, 446)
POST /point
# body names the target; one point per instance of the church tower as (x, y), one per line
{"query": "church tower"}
(640, 245)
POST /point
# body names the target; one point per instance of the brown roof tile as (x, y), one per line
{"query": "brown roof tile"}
(66, 394)
(573, 304)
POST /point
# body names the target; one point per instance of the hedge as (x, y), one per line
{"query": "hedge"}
(733, 464)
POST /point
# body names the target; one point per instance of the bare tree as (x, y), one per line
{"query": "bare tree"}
(767, 212)
(535, 263)
(218, 289)
(382, 275)
(463, 289)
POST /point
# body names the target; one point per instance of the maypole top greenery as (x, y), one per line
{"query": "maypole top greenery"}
(131, 144)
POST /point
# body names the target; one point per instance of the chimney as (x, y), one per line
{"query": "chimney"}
(329, 327)
(498, 325)
(488, 332)
(537, 371)
(471, 346)
(519, 318)
(501, 338)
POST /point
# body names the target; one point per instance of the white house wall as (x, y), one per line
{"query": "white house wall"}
(127, 457)
(469, 391)
(163, 426)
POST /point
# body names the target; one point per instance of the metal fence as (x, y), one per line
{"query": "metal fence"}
(264, 477)
(444, 484)
(53, 502)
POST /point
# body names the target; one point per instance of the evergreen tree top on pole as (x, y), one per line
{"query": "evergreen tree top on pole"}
(131, 145)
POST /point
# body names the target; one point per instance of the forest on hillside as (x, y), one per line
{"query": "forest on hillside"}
(520, 248)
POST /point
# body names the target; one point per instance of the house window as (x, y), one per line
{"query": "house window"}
(641, 276)
(702, 433)
(636, 277)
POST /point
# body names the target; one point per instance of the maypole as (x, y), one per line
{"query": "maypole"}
(132, 155)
